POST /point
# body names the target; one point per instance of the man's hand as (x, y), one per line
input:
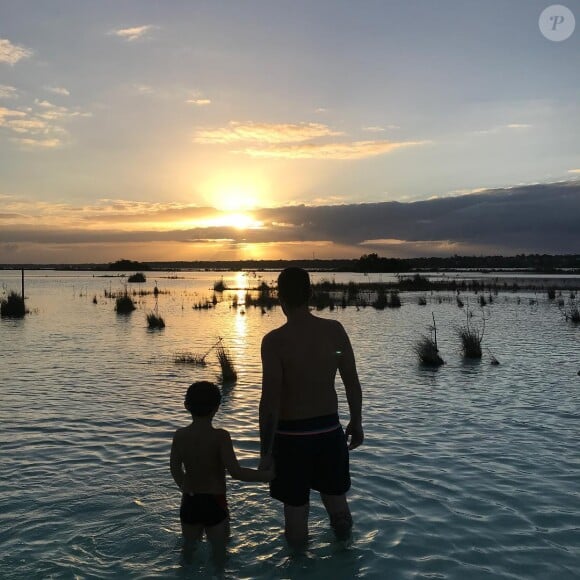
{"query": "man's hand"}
(355, 432)
(266, 463)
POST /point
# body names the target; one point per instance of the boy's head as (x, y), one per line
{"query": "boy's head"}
(202, 399)
(294, 287)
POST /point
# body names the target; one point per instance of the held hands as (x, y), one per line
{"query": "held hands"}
(354, 434)
(266, 467)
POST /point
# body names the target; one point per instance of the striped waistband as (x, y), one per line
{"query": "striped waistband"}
(309, 426)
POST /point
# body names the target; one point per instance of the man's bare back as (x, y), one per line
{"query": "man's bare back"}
(310, 350)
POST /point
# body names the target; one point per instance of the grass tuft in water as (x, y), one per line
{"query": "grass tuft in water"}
(219, 286)
(13, 306)
(190, 358)
(427, 352)
(124, 304)
(471, 338)
(155, 321)
(229, 374)
(138, 277)
(426, 348)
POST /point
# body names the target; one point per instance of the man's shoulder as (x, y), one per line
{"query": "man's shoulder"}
(330, 324)
(273, 336)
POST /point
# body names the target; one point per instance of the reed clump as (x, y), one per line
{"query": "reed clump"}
(427, 349)
(124, 304)
(154, 321)
(229, 374)
(471, 338)
(219, 286)
(571, 313)
(428, 352)
(190, 358)
(13, 306)
(138, 277)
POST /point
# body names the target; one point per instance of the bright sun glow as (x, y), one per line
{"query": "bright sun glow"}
(237, 220)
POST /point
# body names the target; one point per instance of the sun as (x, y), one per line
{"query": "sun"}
(239, 221)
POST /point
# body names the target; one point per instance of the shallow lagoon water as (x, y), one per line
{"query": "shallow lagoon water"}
(469, 471)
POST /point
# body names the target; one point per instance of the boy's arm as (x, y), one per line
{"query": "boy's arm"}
(349, 376)
(234, 468)
(271, 394)
(176, 464)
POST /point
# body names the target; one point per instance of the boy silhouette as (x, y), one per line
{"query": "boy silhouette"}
(200, 456)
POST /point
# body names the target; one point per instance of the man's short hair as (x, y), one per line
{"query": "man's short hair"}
(202, 398)
(294, 286)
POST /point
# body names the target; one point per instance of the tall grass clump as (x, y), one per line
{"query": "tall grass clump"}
(190, 358)
(155, 321)
(219, 286)
(394, 300)
(229, 374)
(427, 350)
(124, 304)
(13, 306)
(471, 338)
(381, 301)
(138, 277)
(571, 313)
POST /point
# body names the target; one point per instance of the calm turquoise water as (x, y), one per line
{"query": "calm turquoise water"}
(470, 471)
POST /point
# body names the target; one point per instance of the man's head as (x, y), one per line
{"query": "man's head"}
(294, 287)
(202, 399)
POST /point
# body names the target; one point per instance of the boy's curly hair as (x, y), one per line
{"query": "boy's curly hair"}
(202, 398)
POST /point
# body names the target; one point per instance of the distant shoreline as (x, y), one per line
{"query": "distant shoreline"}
(372, 263)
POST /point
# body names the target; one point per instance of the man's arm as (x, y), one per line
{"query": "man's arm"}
(349, 376)
(271, 394)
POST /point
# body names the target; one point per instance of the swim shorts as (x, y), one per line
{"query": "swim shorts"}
(309, 454)
(206, 509)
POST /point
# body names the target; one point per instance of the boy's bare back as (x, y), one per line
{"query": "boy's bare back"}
(201, 450)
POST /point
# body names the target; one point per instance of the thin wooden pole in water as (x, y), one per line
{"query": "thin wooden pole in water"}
(22, 284)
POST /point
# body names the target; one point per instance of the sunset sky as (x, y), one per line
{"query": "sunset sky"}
(190, 129)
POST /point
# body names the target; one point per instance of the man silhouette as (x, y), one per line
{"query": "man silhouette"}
(299, 423)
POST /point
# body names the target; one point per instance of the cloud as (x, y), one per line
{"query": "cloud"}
(265, 132)
(4, 113)
(39, 143)
(573, 170)
(374, 129)
(40, 126)
(8, 92)
(133, 33)
(198, 102)
(349, 150)
(12, 53)
(58, 91)
(539, 218)
(501, 128)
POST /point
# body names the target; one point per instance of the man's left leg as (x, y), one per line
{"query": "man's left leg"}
(339, 514)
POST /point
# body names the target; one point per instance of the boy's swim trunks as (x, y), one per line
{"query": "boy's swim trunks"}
(203, 508)
(309, 454)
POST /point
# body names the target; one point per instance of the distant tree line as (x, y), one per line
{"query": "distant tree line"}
(542, 263)
(534, 262)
